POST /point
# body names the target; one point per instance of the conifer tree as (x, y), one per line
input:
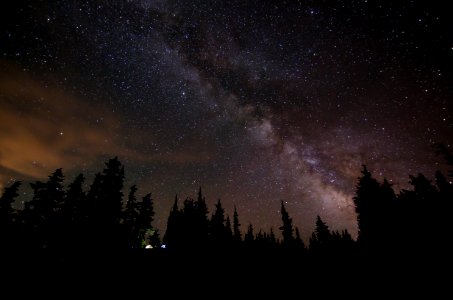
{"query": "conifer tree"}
(74, 214)
(217, 226)
(249, 236)
(322, 231)
(108, 206)
(298, 242)
(7, 212)
(287, 227)
(43, 213)
(272, 239)
(366, 200)
(236, 228)
(172, 234)
(228, 231)
(75, 198)
(145, 219)
(131, 229)
(9, 227)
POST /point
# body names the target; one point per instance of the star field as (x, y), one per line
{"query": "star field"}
(255, 101)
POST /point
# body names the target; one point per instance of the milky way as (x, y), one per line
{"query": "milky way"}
(256, 102)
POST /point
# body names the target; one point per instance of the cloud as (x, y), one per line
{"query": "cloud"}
(43, 128)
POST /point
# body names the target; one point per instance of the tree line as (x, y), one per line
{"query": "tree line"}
(63, 219)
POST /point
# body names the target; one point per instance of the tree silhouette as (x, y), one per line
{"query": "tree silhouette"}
(188, 228)
(313, 243)
(228, 231)
(298, 242)
(201, 220)
(249, 237)
(90, 224)
(131, 228)
(108, 206)
(75, 198)
(272, 239)
(172, 237)
(322, 231)
(236, 228)
(218, 234)
(145, 218)
(445, 188)
(366, 201)
(74, 214)
(7, 212)
(421, 203)
(442, 226)
(153, 238)
(110, 200)
(64, 221)
(287, 227)
(55, 192)
(442, 149)
(388, 214)
(9, 228)
(321, 238)
(43, 213)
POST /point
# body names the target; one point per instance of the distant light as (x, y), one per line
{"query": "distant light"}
(149, 247)
(163, 246)
(61, 133)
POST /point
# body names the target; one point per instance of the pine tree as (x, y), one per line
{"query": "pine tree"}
(172, 237)
(387, 215)
(442, 224)
(74, 216)
(236, 228)
(298, 242)
(154, 239)
(287, 227)
(217, 226)
(130, 220)
(347, 243)
(201, 222)
(88, 212)
(75, 198)
(322, 231)
(445, 188)
(313, 245)
(194, 224)
(145, 220)
(442, 149)
(56, 195)
(249, 237)
(366, 201)
(111, 196)
(423, 188)
(9, 227)
(426, 206)
(323, 235)
(55, 190)
(43, 213)
(108, 206)
(228, 231)
(93, 197)
(272, 239)
(7, 212)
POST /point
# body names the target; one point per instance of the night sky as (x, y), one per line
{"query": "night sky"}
(255, 101)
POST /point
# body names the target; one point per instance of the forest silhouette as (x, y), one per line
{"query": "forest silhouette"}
(108, 226)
